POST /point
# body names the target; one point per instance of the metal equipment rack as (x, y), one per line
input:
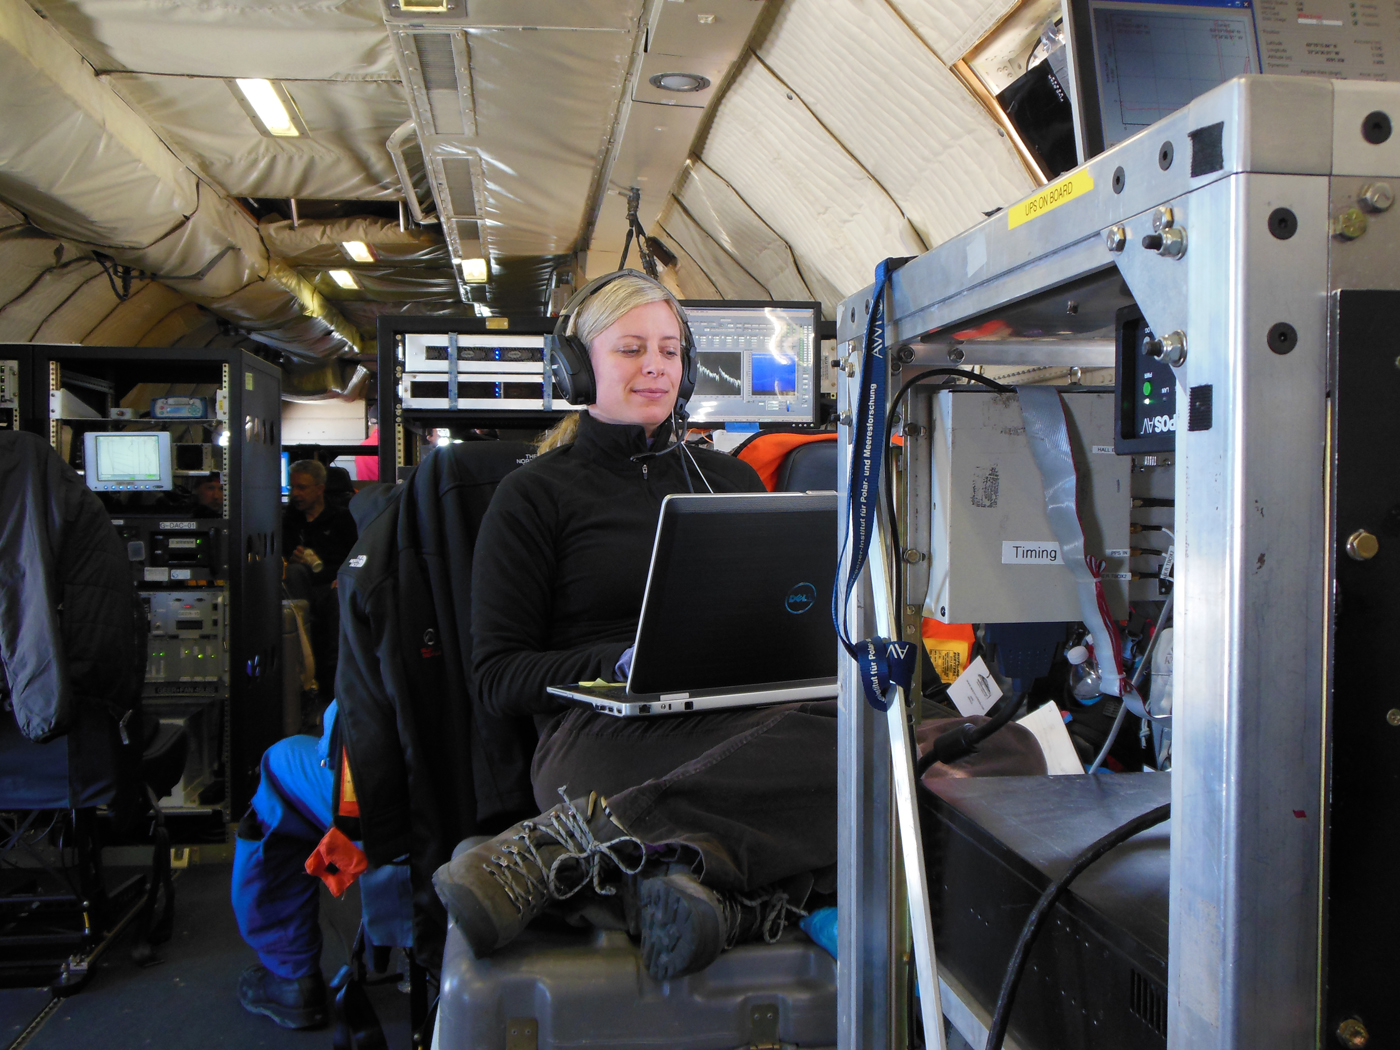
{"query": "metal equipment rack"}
(397, 424)
(1254, 231)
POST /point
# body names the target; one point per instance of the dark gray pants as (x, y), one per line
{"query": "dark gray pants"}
(752, 792)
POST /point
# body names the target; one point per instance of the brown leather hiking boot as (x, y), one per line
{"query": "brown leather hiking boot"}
(495, 890)
(686, 925)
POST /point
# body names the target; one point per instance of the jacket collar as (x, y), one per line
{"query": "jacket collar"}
(617, 442)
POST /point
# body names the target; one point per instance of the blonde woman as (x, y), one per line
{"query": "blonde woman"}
(707, 826)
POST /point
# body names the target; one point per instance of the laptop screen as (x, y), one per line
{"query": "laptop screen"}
(739, 593)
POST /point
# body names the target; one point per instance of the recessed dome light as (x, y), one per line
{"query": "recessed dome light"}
(680, 82)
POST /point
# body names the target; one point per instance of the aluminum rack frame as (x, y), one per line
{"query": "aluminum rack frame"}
(1270, 179)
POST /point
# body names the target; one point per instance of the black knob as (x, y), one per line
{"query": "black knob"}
(1152, 242)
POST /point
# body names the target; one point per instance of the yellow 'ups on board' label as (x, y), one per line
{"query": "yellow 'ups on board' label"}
(1077, 185)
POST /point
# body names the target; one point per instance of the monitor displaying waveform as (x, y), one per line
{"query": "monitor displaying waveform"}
(774, 373)
(719, 374)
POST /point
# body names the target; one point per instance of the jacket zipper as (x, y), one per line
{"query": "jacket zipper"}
(644, 472)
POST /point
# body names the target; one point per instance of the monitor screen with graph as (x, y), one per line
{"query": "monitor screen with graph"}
(1151, 59)
(757, 362)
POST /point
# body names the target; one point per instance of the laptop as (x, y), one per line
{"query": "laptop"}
(737, 609)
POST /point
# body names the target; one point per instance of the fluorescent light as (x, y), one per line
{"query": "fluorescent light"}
(474, 271)
(358, 250)
(269, 107)
(344, 278)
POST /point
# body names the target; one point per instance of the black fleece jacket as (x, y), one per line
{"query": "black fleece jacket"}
(561, 561)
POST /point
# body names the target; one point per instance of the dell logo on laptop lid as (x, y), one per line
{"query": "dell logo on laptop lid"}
(801, 598)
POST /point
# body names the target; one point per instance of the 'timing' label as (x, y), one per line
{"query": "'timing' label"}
(1019, 552)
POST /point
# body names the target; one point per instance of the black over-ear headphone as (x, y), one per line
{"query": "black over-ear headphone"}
(569, 361)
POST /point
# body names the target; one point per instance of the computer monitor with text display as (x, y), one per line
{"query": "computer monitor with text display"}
(757, 362)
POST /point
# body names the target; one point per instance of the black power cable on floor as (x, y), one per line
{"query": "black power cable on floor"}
(996, 1034)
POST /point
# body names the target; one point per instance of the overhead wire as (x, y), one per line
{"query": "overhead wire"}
(888, 479)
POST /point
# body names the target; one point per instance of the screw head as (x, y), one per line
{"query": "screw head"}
(913, 557)
(1115, 237)
(1362, 546)
(1163, 219)
(1393, 716)
(1352, 1033)
(956, 354)
(844, 419)
(1350, 224)
(1376, 196)
(905, 354)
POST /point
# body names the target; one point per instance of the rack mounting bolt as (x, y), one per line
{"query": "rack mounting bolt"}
(1362, 546)
(913, 557)
(844, 418)
(1393, 716)
(1163, 219)
(1115, 237)
(1376, 196)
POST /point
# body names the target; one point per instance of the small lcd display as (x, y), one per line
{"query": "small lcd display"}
(133, 460)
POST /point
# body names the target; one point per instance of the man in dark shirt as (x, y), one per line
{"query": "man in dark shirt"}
(316, 539)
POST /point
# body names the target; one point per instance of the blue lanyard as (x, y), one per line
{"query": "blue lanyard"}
(880, 661)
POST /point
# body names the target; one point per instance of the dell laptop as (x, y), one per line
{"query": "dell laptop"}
(737, 609)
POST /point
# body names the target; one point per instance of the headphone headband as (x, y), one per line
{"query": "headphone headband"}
(569, 360)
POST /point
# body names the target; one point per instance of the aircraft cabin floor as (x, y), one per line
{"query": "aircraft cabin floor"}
(191, 997)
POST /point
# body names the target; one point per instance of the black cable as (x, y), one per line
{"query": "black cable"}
(996, 1034)
(889, 474)
(963, 741)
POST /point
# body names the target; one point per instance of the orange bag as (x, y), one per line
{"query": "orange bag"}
(949, 646)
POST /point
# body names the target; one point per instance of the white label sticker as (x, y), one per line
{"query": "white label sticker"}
(157, 574)
(1029, 552)
(975, 690)
(179, 525)
(358, 560)
(1169, 563)
(1117, 576)
(1103, 450)
(179, 574)
(1118, 554)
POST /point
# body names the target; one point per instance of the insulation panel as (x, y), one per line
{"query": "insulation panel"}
(777, 155)
(936, 152)
(952, 27)
(342, 158)
(724, 271)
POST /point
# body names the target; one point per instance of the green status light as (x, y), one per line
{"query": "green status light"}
(1147, 388)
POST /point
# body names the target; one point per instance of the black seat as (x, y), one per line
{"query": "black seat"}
(809, 468)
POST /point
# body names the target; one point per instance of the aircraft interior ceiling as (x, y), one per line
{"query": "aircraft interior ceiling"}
(829, 134)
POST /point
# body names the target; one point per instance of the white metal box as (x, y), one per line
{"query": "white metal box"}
(994, 557)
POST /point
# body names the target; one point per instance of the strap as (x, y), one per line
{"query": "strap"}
(881, 661)
(1048, 436)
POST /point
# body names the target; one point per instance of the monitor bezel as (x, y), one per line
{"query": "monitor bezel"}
(167, 469)
(815, 308)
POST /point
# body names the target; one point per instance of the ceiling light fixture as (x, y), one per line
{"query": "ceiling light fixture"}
(474, 271)
(359, 251)
(272, 107)
(344, 278)
(679, 81)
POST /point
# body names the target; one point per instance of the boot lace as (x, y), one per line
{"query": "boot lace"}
(525, 876)
(773, 909)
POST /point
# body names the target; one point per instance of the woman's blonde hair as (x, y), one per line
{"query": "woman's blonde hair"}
(599, 312)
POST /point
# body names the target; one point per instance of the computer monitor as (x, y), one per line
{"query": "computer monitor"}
(757, 362)
(132, 461)
(286, 473)
(1139, 61)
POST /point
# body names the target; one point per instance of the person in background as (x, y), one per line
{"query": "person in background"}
(209, 497)
(316, 539)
